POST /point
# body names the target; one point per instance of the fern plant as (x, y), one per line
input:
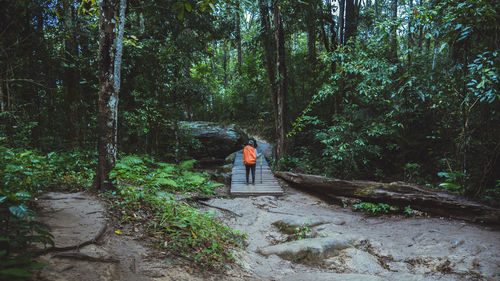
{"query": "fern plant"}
(149, 186)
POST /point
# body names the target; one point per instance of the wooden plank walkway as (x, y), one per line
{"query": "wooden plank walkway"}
(268, 186)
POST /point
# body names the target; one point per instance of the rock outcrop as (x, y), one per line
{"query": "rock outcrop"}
(217, 141)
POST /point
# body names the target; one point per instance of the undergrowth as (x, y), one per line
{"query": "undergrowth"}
(145, 193)
(23, 175)
(143, 186)
(377, 209)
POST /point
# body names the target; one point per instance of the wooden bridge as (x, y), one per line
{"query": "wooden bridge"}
(265, 182)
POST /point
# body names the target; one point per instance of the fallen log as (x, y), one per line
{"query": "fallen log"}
(431, 201)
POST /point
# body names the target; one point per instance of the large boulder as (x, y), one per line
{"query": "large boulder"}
(217, 141)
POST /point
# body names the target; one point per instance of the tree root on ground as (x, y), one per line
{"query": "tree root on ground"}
(82, 256)
(81, 245)
(220, 208)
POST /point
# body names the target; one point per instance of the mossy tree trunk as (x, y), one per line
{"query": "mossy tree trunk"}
(110, 55)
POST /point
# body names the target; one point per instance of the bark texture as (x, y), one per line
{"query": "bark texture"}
(341, 21)
(269, 50)
(397, 193)
(109, 86)
(311, 31)
(351, 19)
(71, 71)
(281, 92)
(238, 35)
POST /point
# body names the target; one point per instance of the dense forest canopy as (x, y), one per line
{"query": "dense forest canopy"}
(385, 90)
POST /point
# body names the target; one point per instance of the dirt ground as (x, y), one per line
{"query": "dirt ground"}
(392, 248)
(380, 248)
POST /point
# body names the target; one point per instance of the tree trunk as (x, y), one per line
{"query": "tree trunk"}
(71, 75)
(350, 20)
(269, 51)
(341, 21)
(394, 41)
(410, 34)
(224, 48)
(281, 93)
(110, 54)
(333, 35)
(311, 33)
(323, 34)
(397, 193)
(238, 35)
(2, 104)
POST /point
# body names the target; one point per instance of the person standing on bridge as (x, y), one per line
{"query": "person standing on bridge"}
(250, 155)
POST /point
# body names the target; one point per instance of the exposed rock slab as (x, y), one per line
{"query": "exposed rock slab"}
(217, 141)
(354, 260)
(73, 218)
(327, 276)
(309, 250)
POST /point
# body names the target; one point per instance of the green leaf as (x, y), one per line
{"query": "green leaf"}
(27, 152)
(22, 195)
(19, 272)
(443, 45)
(180, 15)
(165, 181)
(188, 7)
(443, 174)
(19, 211)
(37, 265)
(187, 165)
(215, 184)
(449, 185)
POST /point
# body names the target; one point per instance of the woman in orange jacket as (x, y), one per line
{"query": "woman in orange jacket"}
(250, 155)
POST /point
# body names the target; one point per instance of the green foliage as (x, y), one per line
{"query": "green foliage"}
(23, 175)
(453, 181)
(289, 163)
(412, 172)
(372, 208)
(492, 195)
(408, 211)
(384, 120)
(146, 185)
(146, 172)
(483, 77)
(301, 231)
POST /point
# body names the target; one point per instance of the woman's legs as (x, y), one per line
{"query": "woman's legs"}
(247, 170)
(253, 173)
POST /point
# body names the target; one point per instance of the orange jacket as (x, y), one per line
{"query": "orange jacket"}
(249, 155)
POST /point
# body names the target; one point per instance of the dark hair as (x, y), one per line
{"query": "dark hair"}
(252, 142)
